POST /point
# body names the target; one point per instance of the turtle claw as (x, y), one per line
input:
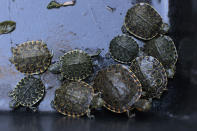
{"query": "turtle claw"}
(34, 109)
(89, 115)
(130, 114)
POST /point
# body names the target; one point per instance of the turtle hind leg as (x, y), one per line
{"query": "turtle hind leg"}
(34, 109)
(89, 114)
(143, 105)
(13, 104)
(52, 104)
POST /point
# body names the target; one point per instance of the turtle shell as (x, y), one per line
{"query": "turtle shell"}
(76, 65)
(119, 86)
(29, 91)
(123, 48)
(151, 74)
(32, 57)
(143, 21)
(73, 98)
(164, 49)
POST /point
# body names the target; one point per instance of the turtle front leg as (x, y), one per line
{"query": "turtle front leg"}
(164, 28)
(97, 101)
(143, 105)
(130, 114)
(13, 104)
(89, 114)
(11, 93)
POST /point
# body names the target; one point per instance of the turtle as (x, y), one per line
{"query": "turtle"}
(75, 99)
(120, 89)
(28, 92)
(164, 49)
(144, 22)
(151, 74)
(31, 57)
(123, 48)
(73, 65)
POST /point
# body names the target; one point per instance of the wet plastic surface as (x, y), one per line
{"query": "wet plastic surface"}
(89, 24)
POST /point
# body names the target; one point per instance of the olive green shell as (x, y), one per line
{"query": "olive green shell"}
(123, 48)
(32, 57)
(151, 74)
(76, 65)
(119, 86)
(143, 21)
(73, 99)
(164, 49)
(28, 91)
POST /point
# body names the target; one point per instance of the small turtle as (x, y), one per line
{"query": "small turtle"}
(75, 99)
(123, 48)
(164, 49)
(120, 89)
(151, 74)
(27, 93)
(74, 65)
(31, 57)
(144, 22)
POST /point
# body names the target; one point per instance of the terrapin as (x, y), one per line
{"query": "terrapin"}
(164, 49)
(31, 57)
(151, 74)
(75, 99)
(74, 65)
(144, 22)
(123, 48)
(27, 93)
(120, 89)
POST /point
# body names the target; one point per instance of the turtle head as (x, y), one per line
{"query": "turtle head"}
(170, 72)
(55, 68)
(97, 101)
(93, 52)
(143, 105)
(164, 28)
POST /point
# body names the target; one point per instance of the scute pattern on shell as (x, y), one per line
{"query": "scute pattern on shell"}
(29, 91)
(119, 86)
(123, 48)
(32, 57)
(76, 65)
(143, 21)
(151, 74)
(164, 49)
(74, 98)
